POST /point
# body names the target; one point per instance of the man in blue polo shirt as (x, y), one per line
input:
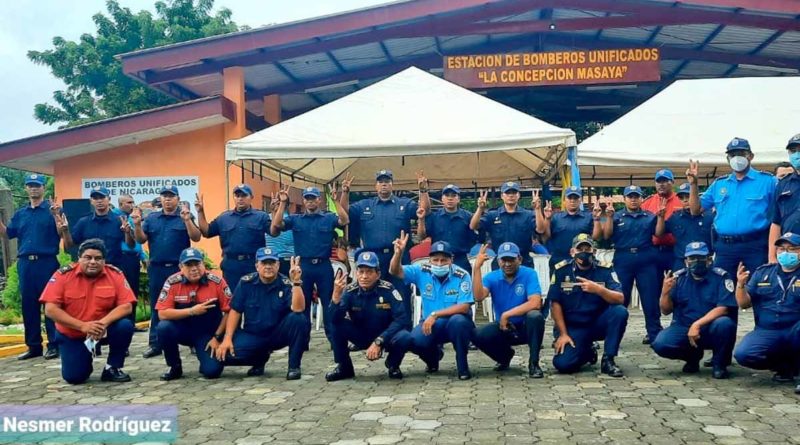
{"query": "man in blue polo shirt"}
(517, 302)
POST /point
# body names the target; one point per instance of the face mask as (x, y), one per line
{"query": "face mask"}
(738, 163)
(439, 271)
(584, 258)
(698, 269)
(788, 260)
(794, 159)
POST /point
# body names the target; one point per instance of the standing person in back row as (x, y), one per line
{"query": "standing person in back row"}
(450, 224)
(508, 224)
(666, 199)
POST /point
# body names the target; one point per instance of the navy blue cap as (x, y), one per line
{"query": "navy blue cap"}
(795, 140)
(441, 247)
(266, 253)
(99, 190)
(169, 188)
(574, 190)
(508, 250)
(311, 191)
(451, 188)
(665, 173)
(368, 259)
(791, 238)
(244, 188)
(384, 174)
(738, 144)
(191, 254)
(696, 248)
(510, 185)
(33, 178)
(582, 238)
(684, 189)
(633, 189)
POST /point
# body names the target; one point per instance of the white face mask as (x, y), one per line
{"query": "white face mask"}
(739, 163)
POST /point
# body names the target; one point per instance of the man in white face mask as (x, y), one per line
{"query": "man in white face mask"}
(787, 199)
(744, 204)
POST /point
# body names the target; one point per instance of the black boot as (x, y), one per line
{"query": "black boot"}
(340, 374)
(114, 375)
(173, 373)
(607, 366)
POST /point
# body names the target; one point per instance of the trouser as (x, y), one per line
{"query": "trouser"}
(34, 273)
(384, 257)
(346, 331)
(555, 258)
(456, 329)
(664, 260)
(233, 269)
(318, 272)
(497, 343)
(157, 274)
(76, 359)
(719, 336)
(254, 350)
(609, 327)
(172, 333)
(751, 253)
(640, 266)
(774, 349)
(129, 264)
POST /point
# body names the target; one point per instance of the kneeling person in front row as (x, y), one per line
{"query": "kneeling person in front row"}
(517, 303)
(89, 301)
(369, 313)
(193, 307)
(272, 306)
(587, 305)
(700, 300)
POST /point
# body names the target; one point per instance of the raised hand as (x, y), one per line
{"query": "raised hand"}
(482, 256)
(597, 211)
(420, 213)
(691, 172)
(742, 274)
(340, 282)
(482, 200)
(400, 243)
(548, 210)
(283, 194)
(198, 203)
(295, 272)
(536, 202)
(124, 226)
(347, 181)
(136, 216)
(662, 207)
(55, 207)
(186, 214)
(334, 192)
(422, 181)
(610, 207)
(669, 282)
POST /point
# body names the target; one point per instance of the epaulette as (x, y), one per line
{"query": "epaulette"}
(604, 264)
(680, 272)
(250, 277)
(767, 266)
(66, 269)
(215, 278)
(385, 284)
(459, 272)
(114, 268)
(561, 264)
(175, 278)
(352, 287)
(720, 271)
(426, 268)
(287, 282)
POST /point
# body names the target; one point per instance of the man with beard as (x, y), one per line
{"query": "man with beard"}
(449, 224)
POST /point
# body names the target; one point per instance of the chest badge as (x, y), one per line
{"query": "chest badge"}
(723, 191)
(380, 300)
(401, 208)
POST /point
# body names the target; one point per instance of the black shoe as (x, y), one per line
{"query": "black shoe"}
(472, 347)
(395, 373)
(173, 373)
(691, 367)
(646, 340)
(114, 375)
(434, 367)
(127, 353)
(51, 353)
(192, 350)
(151, 352)
(293, 374)
(98, 350)
(595, 348)
(466, 375)
(782, 377)
(707, 363)
(255, 371)
(797, 389)
(500, 367)
(607, 366)
(30, 354)
(339, 374)
(534, 371)
(720, 372)
(351, 347)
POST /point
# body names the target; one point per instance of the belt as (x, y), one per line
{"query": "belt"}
(379, 250)
(633, 250)
(34, 257)
(314, 260)
(240, 257)
(164, 263)
(730, 239)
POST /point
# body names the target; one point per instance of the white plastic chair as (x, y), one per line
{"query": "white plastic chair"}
(416, 306)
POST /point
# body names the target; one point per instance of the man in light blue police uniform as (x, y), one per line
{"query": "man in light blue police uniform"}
(786, 217)
(744, 203)
(517, 303)
(509, 223)
(450, 224)
(700, 299)
(773, 291)
(446, 292)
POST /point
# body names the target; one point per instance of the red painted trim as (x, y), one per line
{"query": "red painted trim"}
(780, 6)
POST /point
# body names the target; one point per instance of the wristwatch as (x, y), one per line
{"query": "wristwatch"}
(379, 341)
(219, 337)
(434, 314)
(297, 283)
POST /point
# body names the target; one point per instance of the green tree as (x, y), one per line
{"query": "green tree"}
(96, 87)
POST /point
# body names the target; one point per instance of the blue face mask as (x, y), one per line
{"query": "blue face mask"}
(789, 260)
(794, 159)
(440, 271)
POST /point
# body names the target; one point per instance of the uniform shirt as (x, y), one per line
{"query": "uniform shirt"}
(688, 229)
(240, 233)
(378, 223)
(787, 204)
(313, 233)
(105, 227)
(652, 205)
(516, 227)
(166, 235)
(507, 295)
(437, 294)
(564, 228)
(744, 206)
(775, 296)
(379, 311)
(692, 299)
(36, 230)
(263, 305)
(633, 230)
(179, 293)
(452, 227)
(580, 308)
(84, 298)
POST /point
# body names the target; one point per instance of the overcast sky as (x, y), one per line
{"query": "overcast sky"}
(32, 25)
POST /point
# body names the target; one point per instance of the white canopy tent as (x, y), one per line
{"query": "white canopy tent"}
(410, 121)
(694, 119)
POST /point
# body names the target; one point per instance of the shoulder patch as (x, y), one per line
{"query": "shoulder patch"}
(351, 287)
(680, 272)
(426, 268)
(287, 281)
(460, 273)
(174, 278)
(604, 264)
(561, 264)
(66, 269)
(719, 271)
(729, 285)
(383, 284)
(213, 277)
(250, 277)
(396, 295)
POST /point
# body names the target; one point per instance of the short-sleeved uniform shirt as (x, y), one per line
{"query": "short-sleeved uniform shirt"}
(378, 223)
(775, 295)
(692, 299)
(516, 227)
(689, 229)
(240, 233)
(508, 295)
(564, 227)
(633, 230)
(263, 305)
(179, 293)
(580, 308)
(36, 230)
(787, 204)
(105, 227)
(377, 312)
(452, 227)
(313, 233)
(742, 207)
(438, 294)
(166, 235)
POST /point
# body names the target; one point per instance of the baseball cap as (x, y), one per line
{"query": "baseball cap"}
(508, 250)
(99, 190)
(191, 254)
(795, 140)
(311, 191)
(441, 247)
(510, 185)
(696, 248)
(684, 189)
(33, 178)
(633, 190)
(574, 190)
(266, 253)
(451, 188)
(791, 238)
(244, 188)
(368, 259)
(384, 174)
(738, 144)
(582, 238)
(665, 173)
(169, 188)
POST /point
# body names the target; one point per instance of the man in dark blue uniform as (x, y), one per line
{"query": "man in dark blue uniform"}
(510, 223)
(369, 313)
(272, 306)
(632, 232)
(773, 292)
(241, 232)
(559, 229)
(586, 307)
(517, 302)
(786, 217)
(700, 299)
(685, 227)
(449, 224)
(313, 233)
(167, 233)
(35, 228)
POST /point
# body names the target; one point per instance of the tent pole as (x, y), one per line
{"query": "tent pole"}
(227, 183)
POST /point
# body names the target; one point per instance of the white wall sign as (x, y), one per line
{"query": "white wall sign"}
(142, 188)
